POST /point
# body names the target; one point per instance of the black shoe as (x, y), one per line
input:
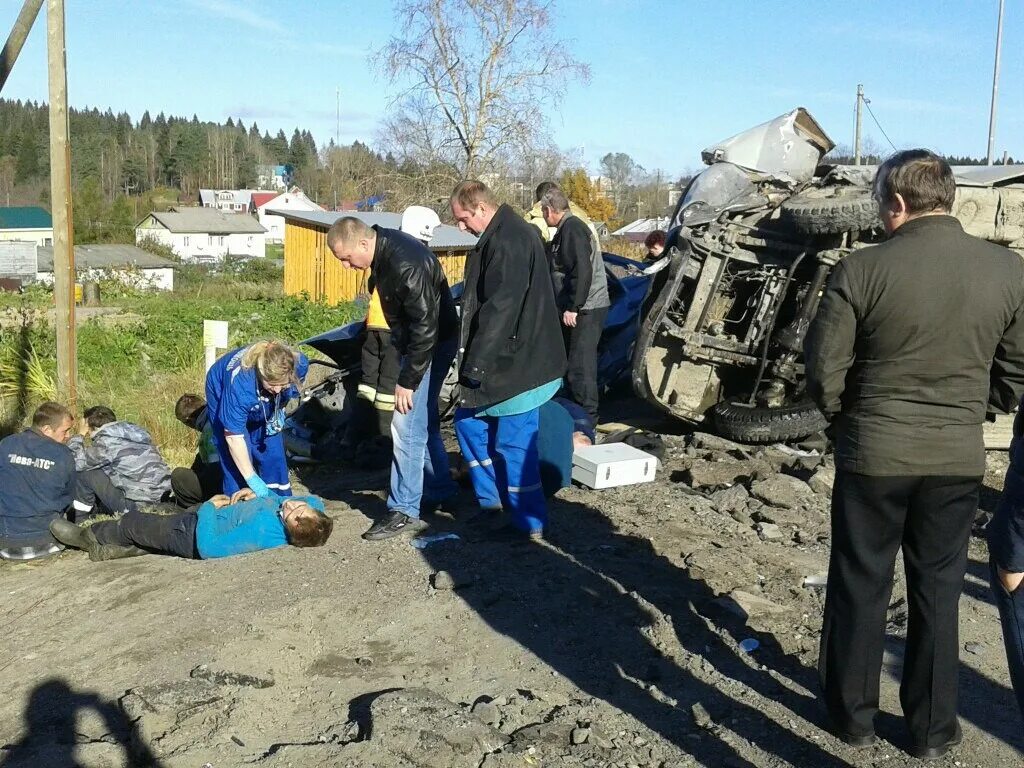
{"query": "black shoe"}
(446, 506)
(858, 742)
(71, 535)
(395, 524)
(936, 753)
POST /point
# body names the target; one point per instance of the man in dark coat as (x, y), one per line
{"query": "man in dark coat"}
(915, 341)
(581, 296)
(512, 356)
(420, 311)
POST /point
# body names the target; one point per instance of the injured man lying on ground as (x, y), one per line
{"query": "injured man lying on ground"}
(218, 528)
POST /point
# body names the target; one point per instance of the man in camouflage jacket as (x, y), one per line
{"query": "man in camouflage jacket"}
(125, 453)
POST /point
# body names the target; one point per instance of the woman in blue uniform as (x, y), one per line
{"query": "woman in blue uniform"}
(246, 391)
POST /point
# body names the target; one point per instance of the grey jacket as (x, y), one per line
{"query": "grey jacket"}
(126, 453)
(577, 267)
(914, 342)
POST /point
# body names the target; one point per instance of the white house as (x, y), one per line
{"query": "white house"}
(126, 263)
(274, 176)
(29, 223)
(228, 200)
(204, 235)
(292, 200)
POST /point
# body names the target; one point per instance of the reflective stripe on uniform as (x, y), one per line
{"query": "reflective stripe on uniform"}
(526, 489)
(366, 392)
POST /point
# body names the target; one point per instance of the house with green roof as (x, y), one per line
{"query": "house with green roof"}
(29, 223)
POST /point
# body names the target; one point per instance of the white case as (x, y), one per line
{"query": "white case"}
(606, 466)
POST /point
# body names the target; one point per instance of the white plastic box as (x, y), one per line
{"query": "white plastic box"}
(607, 466)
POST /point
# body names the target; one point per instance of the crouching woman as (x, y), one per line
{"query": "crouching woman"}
(221, 527)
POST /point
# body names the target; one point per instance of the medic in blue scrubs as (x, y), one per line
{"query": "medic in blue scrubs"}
(246, 392)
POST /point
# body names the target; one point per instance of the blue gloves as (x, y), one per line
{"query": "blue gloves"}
(258, 486)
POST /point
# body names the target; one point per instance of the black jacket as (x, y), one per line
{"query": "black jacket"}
(914, 341)
(577, 267)
(416, 300)
(37, 478)
(511, 337)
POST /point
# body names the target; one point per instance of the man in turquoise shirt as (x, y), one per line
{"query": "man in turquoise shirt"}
(221, 527)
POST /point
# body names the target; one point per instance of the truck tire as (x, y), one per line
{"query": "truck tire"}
(760, 424)
(830, 211)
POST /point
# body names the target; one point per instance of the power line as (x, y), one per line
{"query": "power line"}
(867, 103)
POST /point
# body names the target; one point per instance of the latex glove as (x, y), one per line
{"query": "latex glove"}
(258, 486)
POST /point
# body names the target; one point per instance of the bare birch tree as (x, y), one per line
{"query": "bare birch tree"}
(480, 78)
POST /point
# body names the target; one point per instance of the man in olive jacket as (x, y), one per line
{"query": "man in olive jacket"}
(512, 356)
(914, 342)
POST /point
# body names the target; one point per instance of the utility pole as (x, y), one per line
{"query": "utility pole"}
(60, 197)
(19, 32)
(856, 130)
(995, 86)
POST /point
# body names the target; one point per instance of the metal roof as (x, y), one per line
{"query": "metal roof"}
(105, 257)
(25, 217)
(208, 221)
(446, 237)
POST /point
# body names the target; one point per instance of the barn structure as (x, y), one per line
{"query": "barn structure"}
(311, 269)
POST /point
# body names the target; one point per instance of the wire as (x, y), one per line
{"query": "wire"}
(867, 103)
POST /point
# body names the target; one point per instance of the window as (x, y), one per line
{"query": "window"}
(47, 241)
(220, 240)
(185, 241)
(248, 240)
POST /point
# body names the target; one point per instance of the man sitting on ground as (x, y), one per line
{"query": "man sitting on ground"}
(37, 475)
(204, 479)
(220, 527)
(123, 451)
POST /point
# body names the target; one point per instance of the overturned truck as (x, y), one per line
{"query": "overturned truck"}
(751, 245)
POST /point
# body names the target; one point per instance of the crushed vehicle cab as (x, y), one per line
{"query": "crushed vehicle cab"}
(751, 245)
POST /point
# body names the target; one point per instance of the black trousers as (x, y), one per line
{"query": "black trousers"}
(164, 534)
(872, 517)
(96, 494)
(581, 349)
(194, 485)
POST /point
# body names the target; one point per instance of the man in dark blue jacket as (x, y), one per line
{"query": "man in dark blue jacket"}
(220, 527)
(37, 483)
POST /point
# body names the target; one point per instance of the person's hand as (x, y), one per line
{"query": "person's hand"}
(83, 427)
(403, 399)
(243, 494)
(220, 500)
(258, 486)
(1010, 581)
(569, 319)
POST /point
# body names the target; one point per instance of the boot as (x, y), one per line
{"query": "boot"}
(71, 535)
(114, 552)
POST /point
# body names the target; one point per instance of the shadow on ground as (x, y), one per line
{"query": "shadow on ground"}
(54, 731)
(601, 633)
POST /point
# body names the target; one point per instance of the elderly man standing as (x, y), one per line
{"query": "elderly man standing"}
(512, 357)
(581, 295)
(420, 311)
(914, 342)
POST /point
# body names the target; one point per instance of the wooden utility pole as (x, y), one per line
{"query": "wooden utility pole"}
(856, 130)
(995, 87)
(19, 32)
(60, 198)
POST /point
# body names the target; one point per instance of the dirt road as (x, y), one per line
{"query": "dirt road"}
(615, 643)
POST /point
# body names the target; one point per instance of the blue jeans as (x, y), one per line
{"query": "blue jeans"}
(504, 464)
(419, 465)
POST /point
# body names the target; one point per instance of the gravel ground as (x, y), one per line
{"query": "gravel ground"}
(616, 642)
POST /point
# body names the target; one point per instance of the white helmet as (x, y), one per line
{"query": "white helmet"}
(420, 222)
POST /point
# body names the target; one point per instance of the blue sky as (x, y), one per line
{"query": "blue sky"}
(668, 76)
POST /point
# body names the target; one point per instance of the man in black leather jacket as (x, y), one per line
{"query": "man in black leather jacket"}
(513, 358)
(420, 311)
